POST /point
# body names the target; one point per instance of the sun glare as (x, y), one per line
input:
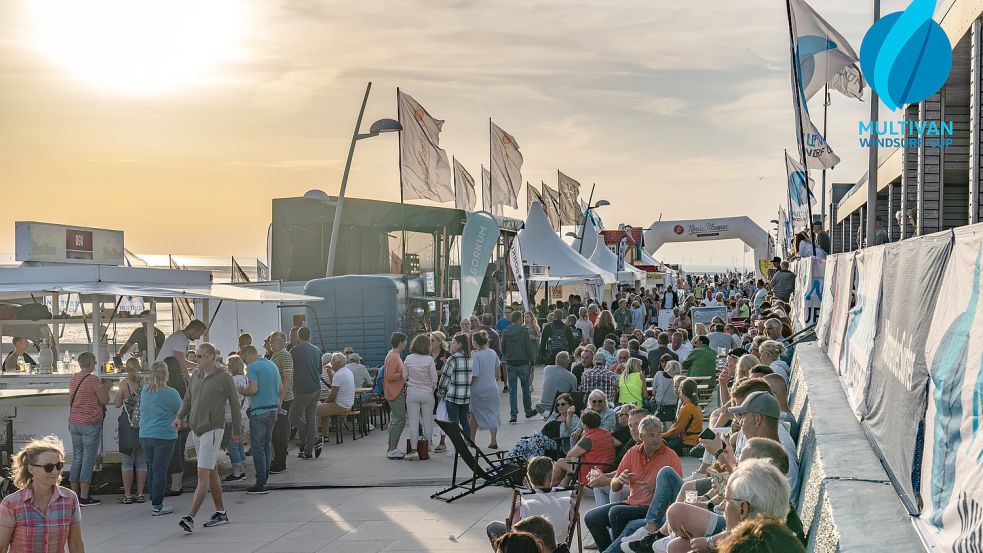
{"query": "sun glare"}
(140, 46)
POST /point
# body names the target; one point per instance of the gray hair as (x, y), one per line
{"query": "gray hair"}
(563, 359)
(354, 358)
(597, 394)
(762, 486)
(338, 357)
(773, 322)
(600, 358)
(278, 336)
(608, 342)
(325, 358)
(649, 422)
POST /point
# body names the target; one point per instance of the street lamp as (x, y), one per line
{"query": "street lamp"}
(377, 128)
(583, 228)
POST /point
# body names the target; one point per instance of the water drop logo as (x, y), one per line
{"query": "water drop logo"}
(906, 56)
(797, 187)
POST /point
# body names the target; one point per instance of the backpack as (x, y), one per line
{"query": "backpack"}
(577, 333)
(379, 377)
(558, 341)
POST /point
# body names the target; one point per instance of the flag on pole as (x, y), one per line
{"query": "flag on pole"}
(799, 193)
(238, 274)
(423, 169)
(569, 192)
(486, 193)
(464, 196)
(532, 195)
(182, 312)
(551, 205)
(784, 232)
(824, 56)
(506, 166)
(262, 271)
(477, 245)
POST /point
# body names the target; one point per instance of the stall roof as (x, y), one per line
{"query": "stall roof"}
(542, 246)
(131, 281)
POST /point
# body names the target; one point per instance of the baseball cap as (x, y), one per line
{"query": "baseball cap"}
(761, 403)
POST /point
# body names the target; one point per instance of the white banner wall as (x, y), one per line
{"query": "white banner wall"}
(840, 307)
(952, 466)
(826, 309)
(861, 328)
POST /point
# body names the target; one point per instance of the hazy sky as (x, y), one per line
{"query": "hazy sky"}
(178, 122)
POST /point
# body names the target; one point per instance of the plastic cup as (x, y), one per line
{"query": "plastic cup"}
(691, 496)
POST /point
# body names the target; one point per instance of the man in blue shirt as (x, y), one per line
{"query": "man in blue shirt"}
(264, 387)
(505, 321)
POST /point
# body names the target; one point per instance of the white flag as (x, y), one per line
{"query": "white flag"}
(551, 205)
(824, 55)
(464, 196)
(532, 195)
(424, 171)
(569, 192)
(818, 153)
(798, 194)
(515, 262)
(506, 168)
(486, 197)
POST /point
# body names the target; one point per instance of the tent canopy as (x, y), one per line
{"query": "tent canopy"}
(132, 281)
(541, 246)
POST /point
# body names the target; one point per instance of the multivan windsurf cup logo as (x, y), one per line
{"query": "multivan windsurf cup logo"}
(906, 57)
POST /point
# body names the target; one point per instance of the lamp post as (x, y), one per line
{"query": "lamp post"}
(583, 228)
(377, 128)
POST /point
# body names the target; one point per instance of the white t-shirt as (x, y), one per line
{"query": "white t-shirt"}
(585, 327)
(175, 342)
(780, 367)
(345, 381)
(683, 351)
(554, 506)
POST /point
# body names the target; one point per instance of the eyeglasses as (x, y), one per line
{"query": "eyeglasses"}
(596, 401)
(561, 404)
(50, 466)
(734, 499)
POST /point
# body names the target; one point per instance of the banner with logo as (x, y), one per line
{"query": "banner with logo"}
(826, 307)
(808, 295)
(898, 375)
(841, 305)
(477, 244)
(861, 328)
(666, 316)
(622, 251)
(706, 314)
(952, 466)
(518, 274)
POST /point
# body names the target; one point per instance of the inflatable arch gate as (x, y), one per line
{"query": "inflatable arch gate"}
(700, 230)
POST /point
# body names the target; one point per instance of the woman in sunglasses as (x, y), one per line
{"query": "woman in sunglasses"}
(42, 511)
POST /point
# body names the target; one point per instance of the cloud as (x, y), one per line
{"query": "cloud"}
(288, 164)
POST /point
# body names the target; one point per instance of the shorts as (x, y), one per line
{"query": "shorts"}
(137, 460)
(715, 525)
(207, 447)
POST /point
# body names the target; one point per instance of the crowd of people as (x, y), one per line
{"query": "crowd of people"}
(621, 400)
(651, 395)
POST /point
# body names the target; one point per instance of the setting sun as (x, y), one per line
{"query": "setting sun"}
(139, 46)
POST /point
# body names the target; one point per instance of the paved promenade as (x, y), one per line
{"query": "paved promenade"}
(352, 499)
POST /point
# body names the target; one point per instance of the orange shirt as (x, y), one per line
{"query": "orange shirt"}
(645, 471)
(688, 424)
(393, 381)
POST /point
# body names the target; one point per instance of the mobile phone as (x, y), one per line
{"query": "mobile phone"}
(707, 434)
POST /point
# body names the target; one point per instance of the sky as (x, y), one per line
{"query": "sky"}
(178, 121)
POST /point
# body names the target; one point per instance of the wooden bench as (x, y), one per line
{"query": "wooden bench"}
(338, 423)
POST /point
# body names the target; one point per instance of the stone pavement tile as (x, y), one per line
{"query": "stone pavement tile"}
(367, 546)
(418, 543)
(401, 528)
(304, 541)
(180, 544)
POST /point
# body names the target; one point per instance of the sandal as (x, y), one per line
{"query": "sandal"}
(140, 498)
(126, 499)
(440, 449)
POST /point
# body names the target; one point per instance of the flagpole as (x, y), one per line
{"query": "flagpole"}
(872, 154)
(491, 200)
(788, 198)
(454, 169)
(822, 194)
(402, 213)
(799, 105)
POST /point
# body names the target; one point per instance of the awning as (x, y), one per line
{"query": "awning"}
(212, 291)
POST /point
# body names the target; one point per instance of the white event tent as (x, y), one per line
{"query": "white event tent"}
(543, 247)
(599, 254)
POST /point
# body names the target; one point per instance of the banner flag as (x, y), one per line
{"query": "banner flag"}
(843, 289)
(182, 312)
(569, 193)
(238, 275)
(809, 142)
(784, 233)
(952, 466)
(464, 196)
(262, 271)
(506, 167)
(808, 295)
(826, 307)
(799, 193)
(423, 169)
(899, 374)
(622, 251)
(532, 196)
(824, 56)
(486, 197)
(518, 274)
(477, 244)
(861, 328)
(551, 205)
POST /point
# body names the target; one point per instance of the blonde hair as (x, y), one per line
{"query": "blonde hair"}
(699, 329)
(674, 368)
(744, 366)
(132, 365)
(157, 380)
(236, 365)
(28, 455)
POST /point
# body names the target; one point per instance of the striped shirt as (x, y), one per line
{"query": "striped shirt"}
(85, 409)
(599, 378)
(35, 531)
(455, 380)
(285, 363)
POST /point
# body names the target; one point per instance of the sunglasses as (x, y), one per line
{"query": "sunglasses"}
(561, 404)
(594, 401)
(50, 466)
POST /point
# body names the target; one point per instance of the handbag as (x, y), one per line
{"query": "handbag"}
(129, 437)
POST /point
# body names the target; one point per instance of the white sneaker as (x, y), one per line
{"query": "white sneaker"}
(635, 536)
(396, 454)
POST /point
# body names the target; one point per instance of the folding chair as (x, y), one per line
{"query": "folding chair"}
(573, 517)
(494, 470)
(578, 402)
